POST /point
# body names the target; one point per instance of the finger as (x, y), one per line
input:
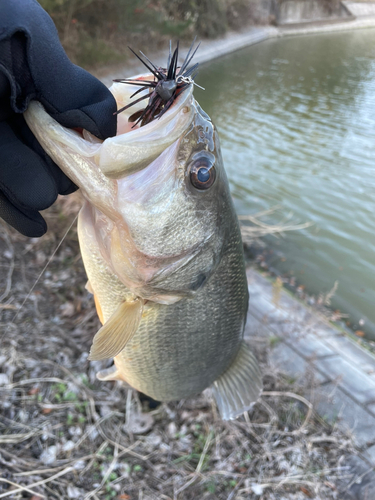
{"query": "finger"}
(27, 222)
(63, 183)
(93, 111)
(24, 177)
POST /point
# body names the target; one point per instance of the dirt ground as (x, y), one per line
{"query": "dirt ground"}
(64, 434)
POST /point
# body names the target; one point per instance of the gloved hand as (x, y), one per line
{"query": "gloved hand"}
(33, 65)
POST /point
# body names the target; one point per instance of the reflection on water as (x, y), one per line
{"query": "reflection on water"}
(297, 124)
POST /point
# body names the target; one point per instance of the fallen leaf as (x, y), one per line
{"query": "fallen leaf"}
(306, 491)
(139, 423)
(360, 333)
(330, 485)
(67, 309)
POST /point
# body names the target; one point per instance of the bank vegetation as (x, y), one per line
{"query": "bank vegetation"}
(97, 32)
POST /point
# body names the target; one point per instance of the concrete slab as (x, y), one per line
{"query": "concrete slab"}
(286, 360)
(353, 353)
(334, 405)
(360, 9)
(308, 341)
(371, 408)
(360, 483)
(255, 328)
(264, 310)
(353, 381)
(370, 454)
(309, 346)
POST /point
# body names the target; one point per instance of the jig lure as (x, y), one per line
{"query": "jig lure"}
(167, 85)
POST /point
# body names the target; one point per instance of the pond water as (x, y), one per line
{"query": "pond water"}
(296, 117)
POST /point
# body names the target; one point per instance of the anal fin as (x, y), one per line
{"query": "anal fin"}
(117, 331)
(239, 387)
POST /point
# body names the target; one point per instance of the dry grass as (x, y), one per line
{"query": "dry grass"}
(63, 434)
(256, 226)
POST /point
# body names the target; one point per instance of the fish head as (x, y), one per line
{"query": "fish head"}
(160, 197)
(175, 214)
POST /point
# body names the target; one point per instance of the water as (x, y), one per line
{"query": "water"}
(296, 118)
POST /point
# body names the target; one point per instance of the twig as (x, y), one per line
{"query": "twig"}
(38, 483)
(199, 466)
(23, 488)
(44, 268)
(295, 396)
(8, 285)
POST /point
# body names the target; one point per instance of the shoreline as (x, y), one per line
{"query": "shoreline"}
(234, 41)
(322, 311)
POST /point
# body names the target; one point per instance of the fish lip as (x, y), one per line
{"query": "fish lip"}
(78, 142)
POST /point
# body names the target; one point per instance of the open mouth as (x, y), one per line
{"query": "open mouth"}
(130, 111)
(163, 86)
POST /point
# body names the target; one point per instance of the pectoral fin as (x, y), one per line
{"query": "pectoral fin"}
(239, 387)
(117, 331)
(112, 373)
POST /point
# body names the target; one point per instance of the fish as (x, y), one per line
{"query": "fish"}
(162, 249)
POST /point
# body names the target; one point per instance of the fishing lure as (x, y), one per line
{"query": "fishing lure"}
(167, 85)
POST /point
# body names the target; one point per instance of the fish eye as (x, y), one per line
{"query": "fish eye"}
(202, 173)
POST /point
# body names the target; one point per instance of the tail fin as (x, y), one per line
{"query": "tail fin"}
(239, 387)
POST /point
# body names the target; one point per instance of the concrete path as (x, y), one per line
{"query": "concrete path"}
(304, 344)
(209, 50)
(361, 9)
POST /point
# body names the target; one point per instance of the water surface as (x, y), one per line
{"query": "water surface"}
(296, 118)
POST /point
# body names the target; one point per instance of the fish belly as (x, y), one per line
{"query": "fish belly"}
(180, 349)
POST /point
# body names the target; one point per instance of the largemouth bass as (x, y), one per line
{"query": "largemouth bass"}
(162, 249)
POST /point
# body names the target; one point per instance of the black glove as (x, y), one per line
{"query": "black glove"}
(33, 65)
